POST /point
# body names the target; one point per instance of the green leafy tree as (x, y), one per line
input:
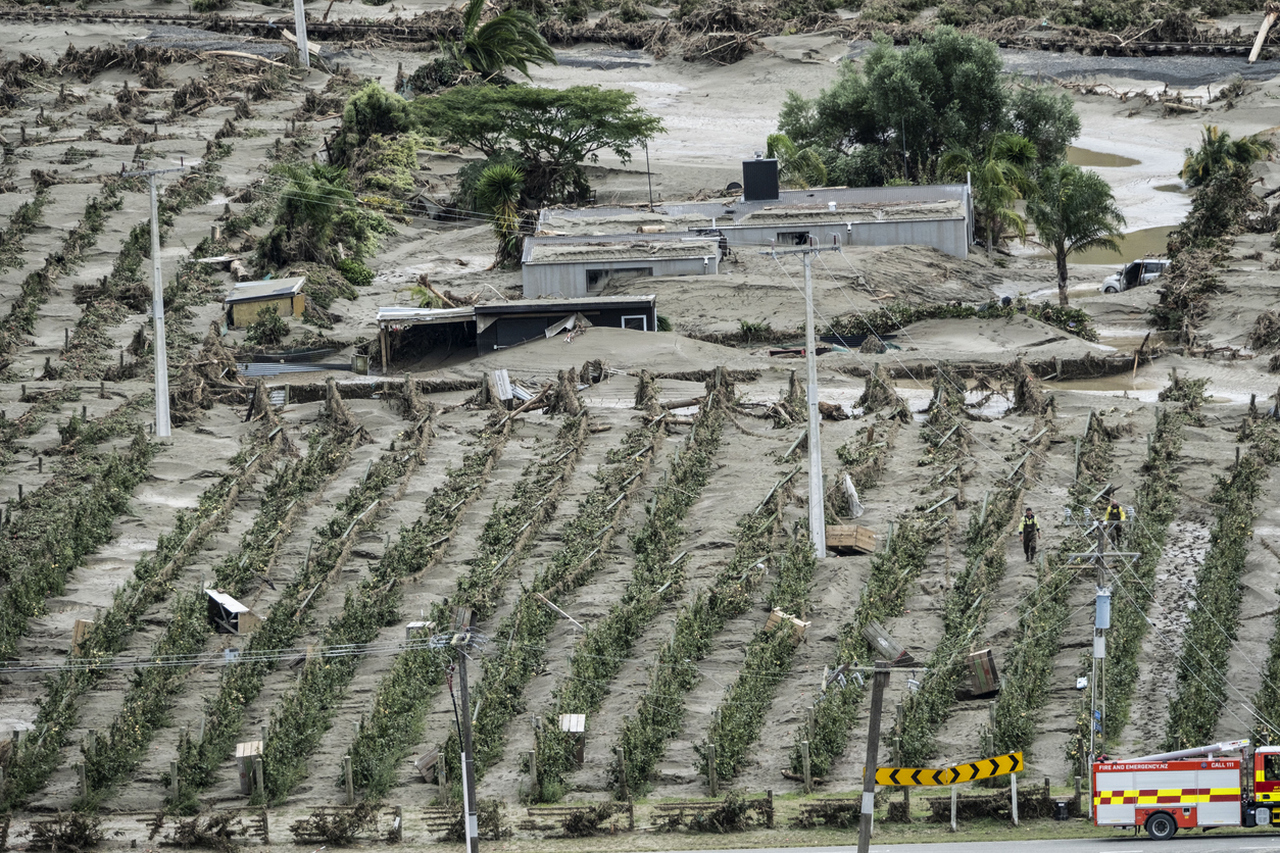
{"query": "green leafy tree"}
(903, 109)
(498, 194)
(1073, 210)
(1000, 178)
(548, 133)
(1218, 152)
(510, 39)
(797, 167)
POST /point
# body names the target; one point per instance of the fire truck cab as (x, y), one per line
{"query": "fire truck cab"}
(1190, 788)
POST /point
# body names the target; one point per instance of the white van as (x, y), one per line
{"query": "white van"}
(1142, 271)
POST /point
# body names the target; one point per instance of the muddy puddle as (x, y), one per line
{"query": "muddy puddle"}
(1088, 159)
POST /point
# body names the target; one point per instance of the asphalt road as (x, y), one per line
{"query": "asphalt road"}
(1183, 842)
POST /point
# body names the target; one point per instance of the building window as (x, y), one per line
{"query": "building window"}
(792, 238)
(639, 322)
(598, 279)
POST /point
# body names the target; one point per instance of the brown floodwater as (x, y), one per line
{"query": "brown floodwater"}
(1097, 159)
(1135, 244)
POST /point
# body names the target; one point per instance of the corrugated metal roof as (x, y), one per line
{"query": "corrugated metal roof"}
(247, 291)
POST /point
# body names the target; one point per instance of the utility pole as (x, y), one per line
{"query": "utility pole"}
(881, 679)
(469, 816)
(300, 30)
(817, 494)
(157, 301)
(1101, 624)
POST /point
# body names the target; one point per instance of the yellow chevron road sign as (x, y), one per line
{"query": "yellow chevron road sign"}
(999, 765)
(903, 776)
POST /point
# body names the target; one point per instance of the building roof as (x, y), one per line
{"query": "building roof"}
(621, 247)
(250, 291)
(401, 316)
(909, 202)
(842, 213)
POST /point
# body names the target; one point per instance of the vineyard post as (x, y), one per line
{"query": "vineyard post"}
(873, 750)
(351, 789)
(808, 776)
(711, 770)
(300, 29)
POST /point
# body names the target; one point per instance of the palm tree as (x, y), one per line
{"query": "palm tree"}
(498, 194)
(1219, 151)
(509, 39)
(1073, 210)
(797, 167)
(999, 179)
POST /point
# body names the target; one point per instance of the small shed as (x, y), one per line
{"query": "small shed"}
(499, 325)
(228, 616)
(576, 267)
(249, 297)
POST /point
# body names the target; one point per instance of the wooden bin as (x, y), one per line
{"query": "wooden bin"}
(246, 752)
(850, 539)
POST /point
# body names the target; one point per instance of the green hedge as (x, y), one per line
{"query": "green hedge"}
(37, 757)
(242, 682)
(654, 581)
(1156, 504)
(1200, 688)
(659, 714)
(303, 715)
(740, 717)
(149, 699)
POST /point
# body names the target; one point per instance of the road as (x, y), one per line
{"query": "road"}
(1121, 843)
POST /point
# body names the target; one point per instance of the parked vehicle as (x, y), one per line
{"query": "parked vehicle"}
(1143, 271)
(1186, 789)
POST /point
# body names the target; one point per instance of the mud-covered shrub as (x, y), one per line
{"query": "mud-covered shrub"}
(269, 329)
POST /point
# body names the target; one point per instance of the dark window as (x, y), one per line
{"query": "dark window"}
(597, 279)
(792, 238)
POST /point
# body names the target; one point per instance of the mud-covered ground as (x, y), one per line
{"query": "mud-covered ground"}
(715, 116)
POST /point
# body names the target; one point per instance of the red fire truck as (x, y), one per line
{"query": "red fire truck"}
(1190, 788)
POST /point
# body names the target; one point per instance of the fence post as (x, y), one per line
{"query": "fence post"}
(1013, 790)
(712, 781)
(84, 784)
(351, 788)
(808, 776)
(257, 775)
(533, 770)
(173, 780)
(1077, 795)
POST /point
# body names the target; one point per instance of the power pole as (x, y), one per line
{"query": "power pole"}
(157, 302)
(881, 679)
(300, 30)
(817, 494)
(469, 815)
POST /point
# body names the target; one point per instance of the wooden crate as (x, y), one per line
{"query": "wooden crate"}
(79, 633)
(982, 672)
(246, 752)
(777, 617)
(850, 539)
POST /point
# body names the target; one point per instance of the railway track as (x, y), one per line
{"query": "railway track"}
(433, 28)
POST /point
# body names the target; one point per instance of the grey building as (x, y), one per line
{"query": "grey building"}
(571, 267)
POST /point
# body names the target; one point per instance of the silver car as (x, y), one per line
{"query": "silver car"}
(1142, 271)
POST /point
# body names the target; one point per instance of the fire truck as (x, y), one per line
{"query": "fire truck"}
(1201, 787)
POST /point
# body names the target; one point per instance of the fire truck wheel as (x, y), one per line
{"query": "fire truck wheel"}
(1161, 826)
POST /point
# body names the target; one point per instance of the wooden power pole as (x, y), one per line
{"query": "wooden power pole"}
(873, 750)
